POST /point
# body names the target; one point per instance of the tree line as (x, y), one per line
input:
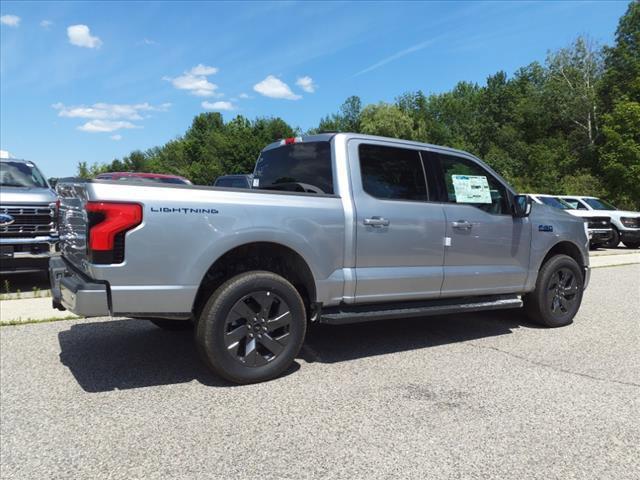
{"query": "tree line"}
(570, 125)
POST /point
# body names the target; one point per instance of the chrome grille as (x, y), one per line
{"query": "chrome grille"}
(29, 221)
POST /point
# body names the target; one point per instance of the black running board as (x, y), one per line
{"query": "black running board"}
(366, 313)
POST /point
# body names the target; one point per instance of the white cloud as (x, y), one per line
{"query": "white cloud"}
(112, 111)
(273, 87)
(108, 117)
(46, 23)
(243, 95)
(195, 81)
(117, 137)
(306, 84)
(204, 70)
(10, 20)
(96, 126)
(80, 36)
(218, 105)
(148, 41)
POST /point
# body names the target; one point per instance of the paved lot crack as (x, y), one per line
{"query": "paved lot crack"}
(553, 367)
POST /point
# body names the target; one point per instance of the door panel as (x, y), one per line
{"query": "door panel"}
(399, 242)
(490, 257)
(487, 249)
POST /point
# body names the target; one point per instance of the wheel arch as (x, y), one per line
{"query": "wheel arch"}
(568, 248)
(269, 256)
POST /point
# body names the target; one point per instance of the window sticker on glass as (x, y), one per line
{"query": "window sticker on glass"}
(471, 188)
(256, 182)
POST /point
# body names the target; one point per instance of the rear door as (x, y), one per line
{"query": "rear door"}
(487, 249)
(399, 233)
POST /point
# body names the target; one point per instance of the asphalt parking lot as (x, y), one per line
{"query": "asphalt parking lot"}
(468, 396)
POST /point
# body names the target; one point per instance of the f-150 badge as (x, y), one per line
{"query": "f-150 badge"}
(545, 228)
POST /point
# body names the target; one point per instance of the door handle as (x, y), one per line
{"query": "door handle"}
(376, 222)
(462, 225)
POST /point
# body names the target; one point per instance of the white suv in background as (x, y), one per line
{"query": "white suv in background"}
(598, 226)
(626, 225)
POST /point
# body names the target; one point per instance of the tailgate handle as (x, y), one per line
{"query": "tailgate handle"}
(376, 222)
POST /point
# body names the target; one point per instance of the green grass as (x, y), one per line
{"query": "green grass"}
(34, 320)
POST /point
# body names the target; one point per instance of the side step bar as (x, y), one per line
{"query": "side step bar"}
(365, 313)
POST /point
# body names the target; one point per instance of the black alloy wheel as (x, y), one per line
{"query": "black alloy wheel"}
(562, 291)
(257, 328)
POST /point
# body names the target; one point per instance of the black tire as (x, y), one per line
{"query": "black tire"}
(252, 327)
(172, 325)
(614, 240)
(558, 293)
(632, 244)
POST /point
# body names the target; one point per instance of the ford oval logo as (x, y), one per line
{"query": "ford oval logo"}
(6, 220)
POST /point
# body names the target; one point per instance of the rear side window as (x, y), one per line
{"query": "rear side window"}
(392, 173)
(466, 182)
(232, 183)
(298, 167)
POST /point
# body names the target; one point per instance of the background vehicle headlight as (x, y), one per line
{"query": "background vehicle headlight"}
(630, 222)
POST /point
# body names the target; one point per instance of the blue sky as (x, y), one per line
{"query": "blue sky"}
(94, 81)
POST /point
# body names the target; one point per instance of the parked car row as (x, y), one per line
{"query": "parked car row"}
(607, 226)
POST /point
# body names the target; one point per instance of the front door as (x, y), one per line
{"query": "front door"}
(399, 233)
(487, 249)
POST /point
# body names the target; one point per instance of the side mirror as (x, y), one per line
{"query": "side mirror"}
(521, 206)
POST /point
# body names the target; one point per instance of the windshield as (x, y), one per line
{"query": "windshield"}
(298, 167)
(555, 203)
(598, 204)
(21, 174)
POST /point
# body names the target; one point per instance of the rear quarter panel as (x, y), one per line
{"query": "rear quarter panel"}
(168, 255)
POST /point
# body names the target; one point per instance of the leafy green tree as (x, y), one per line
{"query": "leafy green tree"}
(621, 78)
(620, 154)
(386, 120)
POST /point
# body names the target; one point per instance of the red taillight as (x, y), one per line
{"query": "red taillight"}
(108, 221)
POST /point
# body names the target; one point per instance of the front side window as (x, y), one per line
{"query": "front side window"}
(575, 204)
(298, 167)
(468, 183)
(392, 173)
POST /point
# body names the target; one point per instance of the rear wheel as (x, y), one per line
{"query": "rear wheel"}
(252, 327)
(614, 240)
(632, 244)
(558, 293)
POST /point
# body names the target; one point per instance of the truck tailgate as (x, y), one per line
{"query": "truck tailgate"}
(73, 223)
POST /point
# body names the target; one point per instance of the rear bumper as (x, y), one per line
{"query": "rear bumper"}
(73, 291)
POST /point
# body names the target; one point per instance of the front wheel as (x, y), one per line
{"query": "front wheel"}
(558, 293)
(614, 240)
(252, 327)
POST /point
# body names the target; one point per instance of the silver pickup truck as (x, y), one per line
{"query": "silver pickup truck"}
(337, 228)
